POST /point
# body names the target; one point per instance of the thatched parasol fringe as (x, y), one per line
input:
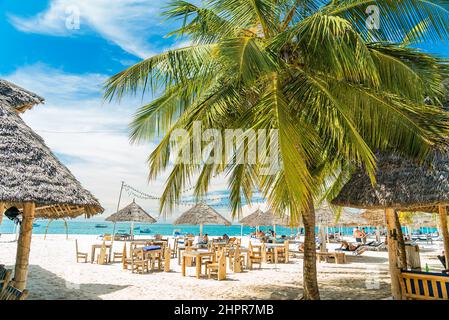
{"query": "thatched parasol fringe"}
(201, 214)
(17, 97)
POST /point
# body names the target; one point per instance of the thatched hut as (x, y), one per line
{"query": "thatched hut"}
(406, 185)
(32, 178)
(131, 213)
(201, 214)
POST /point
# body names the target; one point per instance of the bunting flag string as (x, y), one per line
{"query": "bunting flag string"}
(135, 193)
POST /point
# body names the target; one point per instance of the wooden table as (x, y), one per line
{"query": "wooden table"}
(198, 255)
(339, 257)
(98, 246)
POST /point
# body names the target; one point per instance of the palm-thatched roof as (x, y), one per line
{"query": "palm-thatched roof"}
(402, 183)
(325, 215)
(264, 218)
(201, 213)
(17, 97)
(131, 213)
(30, 172)
(375, 218)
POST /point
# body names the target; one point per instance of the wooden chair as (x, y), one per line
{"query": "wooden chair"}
(139, 262)
(218, 267)
(238, 260)
(282, 253)
(255, 255)
(5, 278)
(80, 255)
(11, 293)
(102, 258)
(119, 255)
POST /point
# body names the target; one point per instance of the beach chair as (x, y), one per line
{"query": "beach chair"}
(218, 267)
(80, 255)
(5, 278)
(255, 255)
(11, 293)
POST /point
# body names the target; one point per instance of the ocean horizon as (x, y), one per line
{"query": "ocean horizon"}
(98, 227)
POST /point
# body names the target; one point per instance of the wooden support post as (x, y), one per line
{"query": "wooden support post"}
(23, 246)
(443, 223)
(2, 210)
(393, 254)
(401, 243)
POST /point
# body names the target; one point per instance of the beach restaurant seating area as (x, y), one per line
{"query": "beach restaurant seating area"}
(212, 259)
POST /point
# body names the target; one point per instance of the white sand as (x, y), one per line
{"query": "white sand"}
(54, 274)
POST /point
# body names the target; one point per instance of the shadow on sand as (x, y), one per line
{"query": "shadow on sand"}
(44, 284)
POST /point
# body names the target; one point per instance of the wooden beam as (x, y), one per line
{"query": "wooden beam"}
(23, 246)
(443, 222)
(393, 254)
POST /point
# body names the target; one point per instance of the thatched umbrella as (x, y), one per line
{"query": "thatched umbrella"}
(201, 214)
(17, 97)
(261, 218)
(406, 185)
(33, 180)
(131, 213)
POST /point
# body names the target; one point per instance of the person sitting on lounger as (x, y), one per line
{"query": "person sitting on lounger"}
(346, 246)
(225, 238)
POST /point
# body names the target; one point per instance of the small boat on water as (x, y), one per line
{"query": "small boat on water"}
(100, 225)
(35, 225)
(137, 228)
(145, 230)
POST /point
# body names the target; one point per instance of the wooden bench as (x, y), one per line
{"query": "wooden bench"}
(417, 285)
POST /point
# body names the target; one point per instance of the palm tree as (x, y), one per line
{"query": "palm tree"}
(336, 91)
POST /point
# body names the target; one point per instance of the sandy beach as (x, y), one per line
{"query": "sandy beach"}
(54, 274)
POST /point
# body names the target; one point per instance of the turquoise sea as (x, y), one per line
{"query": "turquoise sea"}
(89, 227)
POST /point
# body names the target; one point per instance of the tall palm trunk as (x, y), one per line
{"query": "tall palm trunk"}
(310, 282)
(401, 243)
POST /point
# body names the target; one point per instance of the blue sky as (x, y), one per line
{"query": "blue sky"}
(68, 66)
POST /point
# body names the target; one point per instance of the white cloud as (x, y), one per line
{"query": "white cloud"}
(91, 136)
(127, 23)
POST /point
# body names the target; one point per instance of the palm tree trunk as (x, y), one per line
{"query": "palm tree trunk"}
(310, 281)
(401, 243)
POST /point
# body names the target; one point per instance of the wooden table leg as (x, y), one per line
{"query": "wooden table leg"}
(198, 267)
(92, 255)
(183, 266)
(275, 256)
